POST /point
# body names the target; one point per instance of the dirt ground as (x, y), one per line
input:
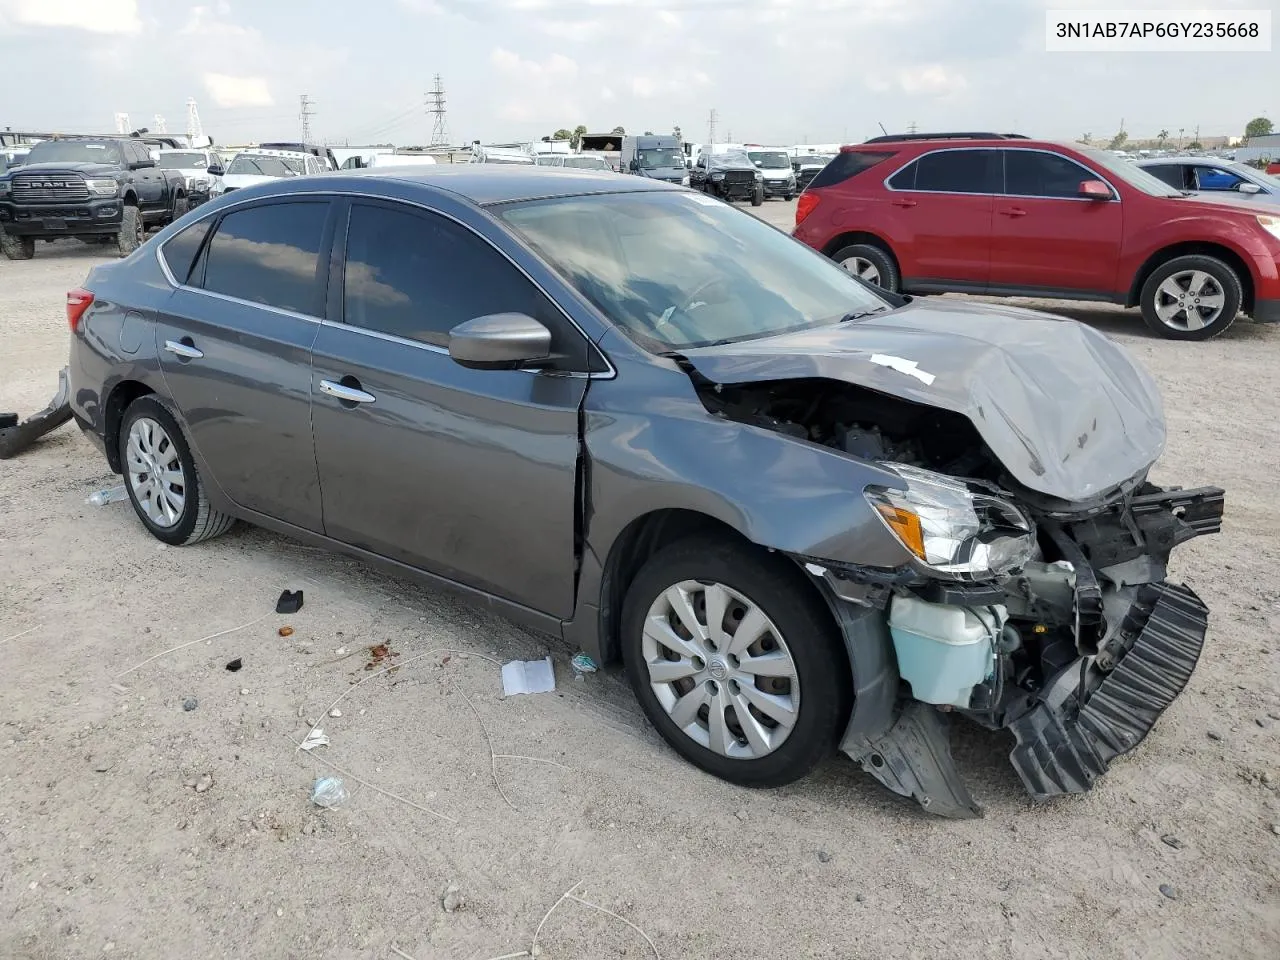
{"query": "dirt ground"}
(134, 827)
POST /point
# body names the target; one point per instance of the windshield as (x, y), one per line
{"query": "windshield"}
(1130, 173)
(1254, 174)
(770, 159)
(261, 165)
(679, 270)
(813, 160)
(74, 151)
(587, 163)
(183, 161)
(549, 161)
(734, 159)
(660, 158)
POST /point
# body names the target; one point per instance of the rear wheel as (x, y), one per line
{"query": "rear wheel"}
(161, 476)
(1191, 298)
(17, 248)
(180, 207)
(872, 264)
(735, 660)
(129, 238)
(757, 198)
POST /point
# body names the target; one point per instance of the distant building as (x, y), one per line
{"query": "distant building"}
(1260, 148)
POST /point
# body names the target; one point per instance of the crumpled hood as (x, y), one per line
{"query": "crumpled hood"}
(1067, 412)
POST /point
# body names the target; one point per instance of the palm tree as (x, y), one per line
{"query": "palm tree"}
(1086, 139)
(1162, 136)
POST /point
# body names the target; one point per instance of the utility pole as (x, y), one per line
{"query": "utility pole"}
(911, 127)
(1181, 130)
(161, 126)
(435, 107)
(195, 131)
(711, 126)
(305, 115)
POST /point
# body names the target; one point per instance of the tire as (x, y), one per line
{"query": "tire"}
(789, 197)
(129, 238)
(1174, 298)
(194, 520)
(180, 207)
(869, 261)
(757, 198)
(17, 248)
(799, 627)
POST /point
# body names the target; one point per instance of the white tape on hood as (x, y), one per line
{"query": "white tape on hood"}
(909, 367)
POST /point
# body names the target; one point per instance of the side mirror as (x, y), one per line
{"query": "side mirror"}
(1094, 190)
(215, 170)
(633, 166)
(140, 164)
(500, 341)
(1244, 186)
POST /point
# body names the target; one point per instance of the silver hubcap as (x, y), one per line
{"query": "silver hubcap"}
(863, 268)
(1190, 300)
(721, 669)
(155, 473)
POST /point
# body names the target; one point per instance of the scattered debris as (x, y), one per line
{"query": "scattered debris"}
(119, 689)
(582, 665)
(1275, 828)
(742, 814)
(400, 953)
(824, 857)
(22, 634)
(570, 895)
(102, 766)
(1263, 722)
(528, 676)
(110, 495)
(377, 789)
(329, 792)
(452, 900)
(235, 665)
(380, 653)
(316, 738)
(341, 651)
(190, 703)
(493, 757)
(244, 691)
(860, 898)
(1213, 735)
(285, 631)
(335, 713)
(16, 437)
(1168, 891)
(289, 602)
(203, 784)
(1170, 840)
(191, 643)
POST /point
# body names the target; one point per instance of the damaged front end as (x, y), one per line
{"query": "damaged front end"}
(1017, 609)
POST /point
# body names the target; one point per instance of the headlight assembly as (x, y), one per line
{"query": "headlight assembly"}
(103, 188)
(953, 530)
(684, 181)
(717, 176)
(1271, 225)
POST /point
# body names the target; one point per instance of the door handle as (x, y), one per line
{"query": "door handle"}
(903, 202)
(1014, 212)
(184, 349)
(346, 393)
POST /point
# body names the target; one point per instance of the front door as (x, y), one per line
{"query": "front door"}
(939, 218)
(235, 349)
(469, 474)
(1048, 238)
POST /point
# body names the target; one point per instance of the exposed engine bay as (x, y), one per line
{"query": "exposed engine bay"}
(1076, 643)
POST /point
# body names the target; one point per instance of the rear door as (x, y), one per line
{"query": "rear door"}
(1047, 237)
(148, 180)
(1176, 175)
(235, 348)
(469, 474)
(940, 218)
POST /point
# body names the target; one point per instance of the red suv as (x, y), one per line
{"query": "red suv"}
(1004, 215)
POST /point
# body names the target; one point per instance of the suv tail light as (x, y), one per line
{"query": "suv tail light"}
(78, 301)
(805, 205)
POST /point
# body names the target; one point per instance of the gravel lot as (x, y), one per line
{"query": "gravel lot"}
(130, 825)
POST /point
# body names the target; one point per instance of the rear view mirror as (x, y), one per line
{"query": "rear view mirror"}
(500, 341)
(1246, 187)
(1094, 190)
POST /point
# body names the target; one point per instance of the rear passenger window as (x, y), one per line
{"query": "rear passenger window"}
(181, 250)
(1170, 173)
(269, 254)
(1029, 173)
(847, 164)
(950, 171)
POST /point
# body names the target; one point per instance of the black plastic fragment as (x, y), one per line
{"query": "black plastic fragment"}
(235, 665)
(8, 420)
(289, 602)
(16, 437)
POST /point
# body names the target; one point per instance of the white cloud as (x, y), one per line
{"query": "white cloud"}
(229, 91)
(94, 16)
(543, 91)
(932, 80)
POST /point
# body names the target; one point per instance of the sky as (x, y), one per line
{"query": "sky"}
(775, 71)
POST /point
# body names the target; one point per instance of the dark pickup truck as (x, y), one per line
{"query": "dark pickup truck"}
(99, 189)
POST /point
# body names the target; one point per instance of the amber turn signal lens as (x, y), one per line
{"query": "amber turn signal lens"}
(906, 525)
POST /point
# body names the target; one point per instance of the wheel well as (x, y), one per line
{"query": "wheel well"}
(130, 200)
(858, 236)
(121, 396)
(1163, 256)
(639, 541)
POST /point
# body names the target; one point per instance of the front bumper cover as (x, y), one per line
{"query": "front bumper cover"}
(16, 437)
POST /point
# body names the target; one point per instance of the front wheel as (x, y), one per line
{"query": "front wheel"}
(17, 248)
(129, 238)
(161, 477)
(736, 661)
(1191, 298)
(757, 198)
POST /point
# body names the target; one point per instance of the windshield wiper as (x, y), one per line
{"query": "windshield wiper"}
(859, 314)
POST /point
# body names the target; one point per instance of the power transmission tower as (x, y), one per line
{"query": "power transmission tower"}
(911, 127)
(161, 126)
(195, 130)
(305, 115)
(439, 122)
(711, 126)
(122, 123)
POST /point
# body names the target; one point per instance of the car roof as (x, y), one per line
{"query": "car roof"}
(264, 152)
(502, 183)
(1187, 160)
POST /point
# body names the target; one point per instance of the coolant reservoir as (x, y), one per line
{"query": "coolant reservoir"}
(944, 651)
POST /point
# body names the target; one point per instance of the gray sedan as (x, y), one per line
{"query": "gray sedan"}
(801, 511)
(1223, 179)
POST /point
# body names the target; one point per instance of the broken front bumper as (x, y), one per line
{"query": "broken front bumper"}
(16, 437)
(1086, 718)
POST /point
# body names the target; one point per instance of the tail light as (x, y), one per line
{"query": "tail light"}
(78, 301)
(805, 206)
